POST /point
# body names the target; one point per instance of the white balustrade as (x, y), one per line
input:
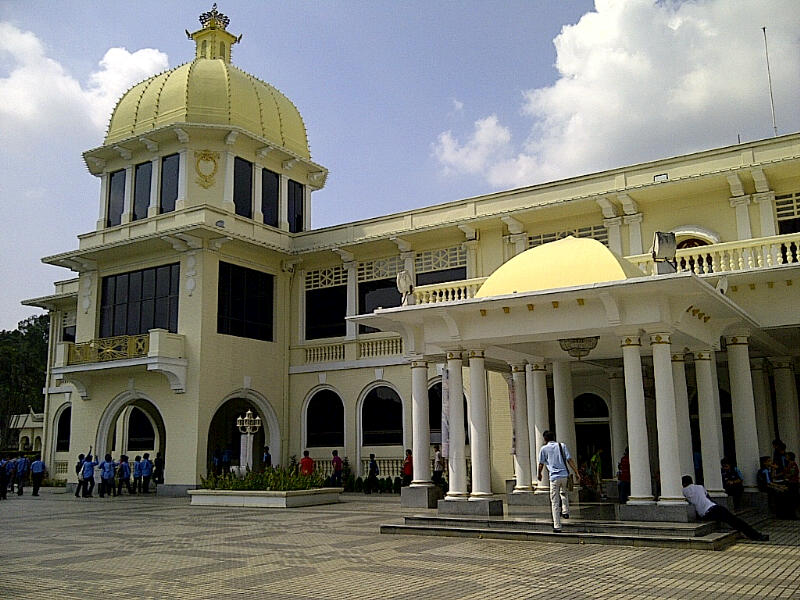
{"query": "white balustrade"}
(380, 347)
(324, 353)
(448, 291)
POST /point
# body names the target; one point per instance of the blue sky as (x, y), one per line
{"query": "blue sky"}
(406, 103)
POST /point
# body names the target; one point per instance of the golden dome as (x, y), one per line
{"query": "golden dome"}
(564, 263)
(210, 90)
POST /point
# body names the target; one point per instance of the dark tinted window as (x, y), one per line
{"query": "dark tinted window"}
(116, 198)
(64, 429)
(455, 274)
(133, 303)
(382, 418)
(141, 190)
(325, 420)
(68, 333)
(141, 435)
(295, 206)
(270, 192)
(325, 312)
(381, 293)
(243, 187)
(244, 302)
(170, 167)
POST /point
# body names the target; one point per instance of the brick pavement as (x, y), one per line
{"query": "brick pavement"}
(57, 546)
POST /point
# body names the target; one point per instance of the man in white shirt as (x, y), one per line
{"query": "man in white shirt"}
(706, 509)
(556, 457)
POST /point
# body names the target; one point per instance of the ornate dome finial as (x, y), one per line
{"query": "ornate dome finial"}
(214, 19)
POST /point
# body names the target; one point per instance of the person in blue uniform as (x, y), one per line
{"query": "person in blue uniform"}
(38, 470)
(147, 472)
(23, 465)
(3, 479)
(88, 475)
(124, 475)
(137, 474)
(107, 469)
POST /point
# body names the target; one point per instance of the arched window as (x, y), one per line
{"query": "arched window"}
(325, 420)
(382, 418)
(590, 406)
(141, 435)
(435, 414)
(222, 50)
(63, 430)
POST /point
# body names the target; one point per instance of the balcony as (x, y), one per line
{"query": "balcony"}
(158, 350)
(369, 350)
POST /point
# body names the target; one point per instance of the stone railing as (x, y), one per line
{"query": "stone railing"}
(393, 467)
(741, 255)
(105, 349)
(381, 347)
(324, 353)
(60, 467)
(448, 291)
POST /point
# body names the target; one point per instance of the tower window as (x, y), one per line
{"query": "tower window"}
(243, 187)
(270, 192)
(245, 299)
(141, 190)
(295, 206)
(116, 198)
(170, 170)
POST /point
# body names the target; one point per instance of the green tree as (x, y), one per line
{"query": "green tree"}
(23, 366)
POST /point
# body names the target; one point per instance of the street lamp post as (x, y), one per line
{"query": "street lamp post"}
(248, 427)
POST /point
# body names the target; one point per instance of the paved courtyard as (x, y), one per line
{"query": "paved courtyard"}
(57, 546)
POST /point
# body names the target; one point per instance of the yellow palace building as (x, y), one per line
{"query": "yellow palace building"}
(203, 292)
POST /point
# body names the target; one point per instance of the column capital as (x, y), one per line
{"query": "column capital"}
(612, 222)
(419, 364)
(630, 340)
(660, 338)
(703, 355)
(454, 355)
(678, 357)
(518, 368)
(781, 362)
(763, 197)
(635, 218)
(756, 364)
(736, 340)
(739, 201)
(537, 366)
(476, 354)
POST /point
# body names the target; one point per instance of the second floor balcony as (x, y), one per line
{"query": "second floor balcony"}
(158, 350)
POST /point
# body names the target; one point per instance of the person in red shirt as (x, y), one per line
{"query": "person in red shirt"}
(306, 464)
(338, 466)
(624, 477)
(408, 468)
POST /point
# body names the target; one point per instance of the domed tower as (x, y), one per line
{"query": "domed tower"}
(206, 134)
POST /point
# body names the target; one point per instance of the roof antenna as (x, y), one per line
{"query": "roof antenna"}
(769, 78)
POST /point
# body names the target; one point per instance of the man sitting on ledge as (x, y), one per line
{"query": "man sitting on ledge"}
(697, 496)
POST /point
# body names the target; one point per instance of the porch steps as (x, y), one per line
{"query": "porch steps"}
(694, 536)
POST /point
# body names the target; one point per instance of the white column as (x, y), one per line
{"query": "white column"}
(457, 459)
(421, 428)
(766, 212)
(639, 452)
(682, 414)
(669, 458)
(351, 329)
(764, 420)
(227, 187)
(564, 405)
(306, 207)
(786, 403)
(519, 242)
(479, 426)
(741, 204)
(522, 454)
(103, 215)
(541, 418)
(258, 215)
(471, 246)
(745, 431)
(283, 203)
(127, 206)
(708, 422)
(530, 405)
(717, 406)
(183, 179)
(614, 226)
(155, 186)
(619, 426)
(634, 223)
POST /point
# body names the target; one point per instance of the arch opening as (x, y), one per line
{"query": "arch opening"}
(325, 420)
(382, 418)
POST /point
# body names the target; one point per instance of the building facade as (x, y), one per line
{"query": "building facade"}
(203, 292)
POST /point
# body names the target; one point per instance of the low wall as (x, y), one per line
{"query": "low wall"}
(260, 499)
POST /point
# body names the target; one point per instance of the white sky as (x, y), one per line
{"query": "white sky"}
(408, 104)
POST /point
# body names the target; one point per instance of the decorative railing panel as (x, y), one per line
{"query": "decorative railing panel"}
(380, 347)
(60, 467)
(449, 291)
(393, 467)
(324, 353)
(107, 349)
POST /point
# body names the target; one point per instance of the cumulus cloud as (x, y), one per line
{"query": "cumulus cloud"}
(640, 80)
(37, 93)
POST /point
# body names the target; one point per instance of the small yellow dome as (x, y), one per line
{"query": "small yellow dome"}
(564, 263)
(209, 91)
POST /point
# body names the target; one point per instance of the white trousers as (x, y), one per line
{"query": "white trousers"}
(559, 501)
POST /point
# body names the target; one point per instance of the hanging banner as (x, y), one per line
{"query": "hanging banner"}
(512, 404)
(445, 413)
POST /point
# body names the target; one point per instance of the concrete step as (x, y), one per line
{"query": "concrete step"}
(714, 540)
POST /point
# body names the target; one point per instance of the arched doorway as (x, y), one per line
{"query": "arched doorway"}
(107, 428)
(224, 437)
(382, 418)
(64, 430)
(592, 431)
(435, 413)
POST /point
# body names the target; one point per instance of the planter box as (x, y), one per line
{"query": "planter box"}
(258, 499)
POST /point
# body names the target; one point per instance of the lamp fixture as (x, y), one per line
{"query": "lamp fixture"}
(579, 347)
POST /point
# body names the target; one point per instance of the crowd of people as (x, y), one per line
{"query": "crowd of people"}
(115, 475)
(18, 472)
